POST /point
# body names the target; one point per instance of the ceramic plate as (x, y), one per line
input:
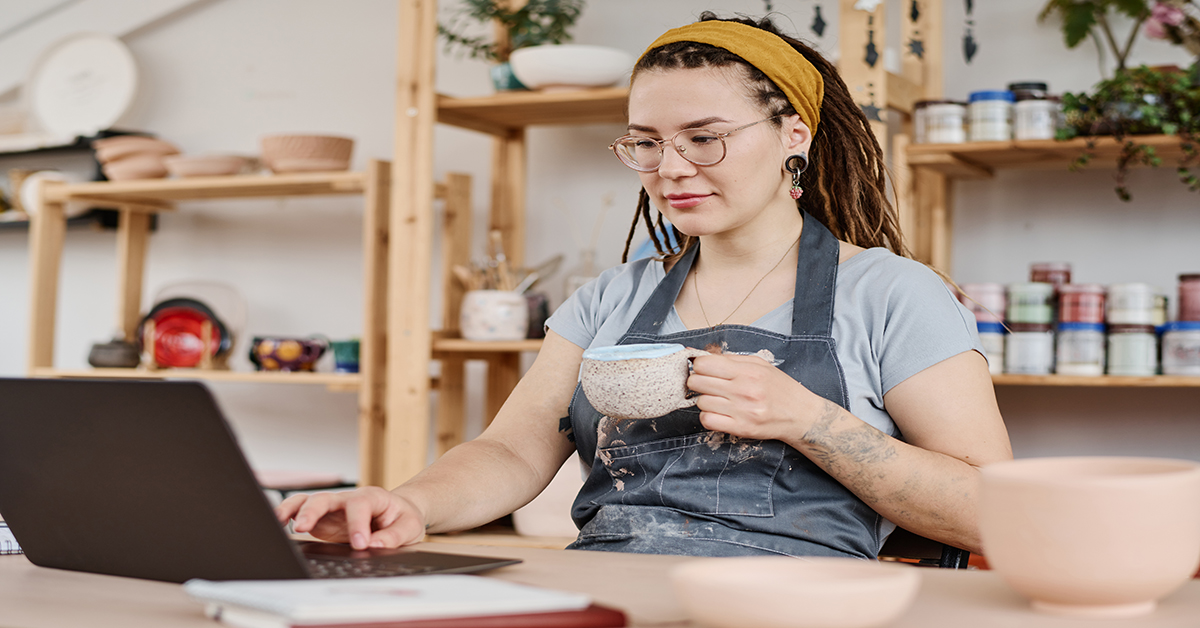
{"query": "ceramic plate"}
(82, 84)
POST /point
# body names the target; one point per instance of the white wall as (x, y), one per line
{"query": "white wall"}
(223, 73)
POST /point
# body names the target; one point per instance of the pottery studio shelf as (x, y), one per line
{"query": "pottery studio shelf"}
(980, 160)
(1105, 381)
(500, 113)
(340, 382)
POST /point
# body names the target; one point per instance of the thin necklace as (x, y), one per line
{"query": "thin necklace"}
(696, 289)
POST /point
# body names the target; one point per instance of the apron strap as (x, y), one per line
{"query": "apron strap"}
(654, 313)
(816, 279)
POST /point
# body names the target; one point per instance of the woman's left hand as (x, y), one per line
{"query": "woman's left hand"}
(748, 397)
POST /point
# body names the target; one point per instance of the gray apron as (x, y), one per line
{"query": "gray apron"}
(669, 486)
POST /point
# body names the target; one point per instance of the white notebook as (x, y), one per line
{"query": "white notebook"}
(383, 599)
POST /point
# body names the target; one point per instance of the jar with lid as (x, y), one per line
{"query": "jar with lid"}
(945, 123)
(1189, 297)
(1180, 348)
(1029, 349)
(1030, 303)
(1132, 350)
(1081, 303)
(1031, 90)
(991, 114)
(985, 300)
(1037, 119)
(1079, 349)
(1057, 273)
(1131, 304)
(991, 336)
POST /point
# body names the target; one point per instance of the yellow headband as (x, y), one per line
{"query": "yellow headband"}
(784, 65)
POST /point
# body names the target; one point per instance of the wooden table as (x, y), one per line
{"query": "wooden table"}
(33, 597)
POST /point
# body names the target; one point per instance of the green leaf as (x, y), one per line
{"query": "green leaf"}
(1132, 8)
(1078, 20)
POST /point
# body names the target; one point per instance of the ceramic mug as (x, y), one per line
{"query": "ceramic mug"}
(345, 355)
(640, 381)
(494, 315)
(287, 354)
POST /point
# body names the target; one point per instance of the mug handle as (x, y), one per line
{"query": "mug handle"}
(690, 397)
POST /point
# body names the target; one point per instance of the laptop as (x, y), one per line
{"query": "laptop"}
(145, 479)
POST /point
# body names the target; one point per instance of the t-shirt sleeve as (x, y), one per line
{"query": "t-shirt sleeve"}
(601, 310)
(924, 324)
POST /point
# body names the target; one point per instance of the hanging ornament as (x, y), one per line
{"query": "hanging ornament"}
(769, 7)
(872, 55)
(917, 48)
(818, 23)
(970, 47)
(970, 6)
(871, 110)
(914, 13)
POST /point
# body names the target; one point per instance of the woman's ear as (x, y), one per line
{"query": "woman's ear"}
(796, 135)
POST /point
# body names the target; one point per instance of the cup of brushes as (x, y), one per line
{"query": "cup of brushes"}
(493, 307)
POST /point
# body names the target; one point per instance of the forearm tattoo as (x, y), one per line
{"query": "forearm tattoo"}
(850, 454)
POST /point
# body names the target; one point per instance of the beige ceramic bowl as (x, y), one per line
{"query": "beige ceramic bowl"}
(780, 592)
(138, 166)
(204, 165)
(1092, 536)
(569, 66)
(123, 146)
(304, 153)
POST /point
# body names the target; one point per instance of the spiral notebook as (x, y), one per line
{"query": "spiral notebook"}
(8, 544)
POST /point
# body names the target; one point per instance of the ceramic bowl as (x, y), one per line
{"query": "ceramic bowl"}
(1092, 536)
(304, 153)
(781, 592)
(569, 66)
(205, 165)
(284, 353)
(114, 148)
(140, 166)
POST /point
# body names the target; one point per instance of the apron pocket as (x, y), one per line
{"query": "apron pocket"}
(709, 473)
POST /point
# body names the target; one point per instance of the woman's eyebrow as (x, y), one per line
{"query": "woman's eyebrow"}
(694, 124)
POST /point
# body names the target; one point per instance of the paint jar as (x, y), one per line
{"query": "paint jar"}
(1057, 273)
(1189, 297)
(1032, 90)
(990, 116)
(1180, 348)
(1036, 119)
(985, 300)
(1029, 349)
(1131, 304)
(1079, 349)
(1081, 303)
(945, 123)
(1132, 350)
(1030, 303)
(991, 336)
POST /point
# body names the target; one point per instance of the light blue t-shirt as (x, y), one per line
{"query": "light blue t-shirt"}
(892, 318)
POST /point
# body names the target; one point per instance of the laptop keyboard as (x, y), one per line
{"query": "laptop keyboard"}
(325, 568)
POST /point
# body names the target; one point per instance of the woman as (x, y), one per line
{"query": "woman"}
(875, 408)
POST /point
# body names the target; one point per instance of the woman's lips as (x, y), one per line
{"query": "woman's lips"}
(684, 201)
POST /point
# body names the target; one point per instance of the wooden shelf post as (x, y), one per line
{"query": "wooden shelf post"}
(47, 230)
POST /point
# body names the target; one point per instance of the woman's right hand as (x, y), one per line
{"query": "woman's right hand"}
(365, 517)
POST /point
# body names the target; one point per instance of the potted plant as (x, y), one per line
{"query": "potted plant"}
(519, 24)
(1134, 101)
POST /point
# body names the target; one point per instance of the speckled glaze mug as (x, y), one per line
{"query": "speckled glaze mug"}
(641, 381)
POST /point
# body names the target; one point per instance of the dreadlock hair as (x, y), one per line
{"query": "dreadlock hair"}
(846, 181)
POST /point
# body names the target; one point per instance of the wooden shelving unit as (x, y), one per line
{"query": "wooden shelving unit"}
(1156, 381)
(980, 160)
(137, 200)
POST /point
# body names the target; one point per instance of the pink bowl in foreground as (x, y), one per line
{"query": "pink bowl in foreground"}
(1092, 536)
(782, 592)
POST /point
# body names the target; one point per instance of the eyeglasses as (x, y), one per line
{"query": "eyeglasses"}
(699, 146)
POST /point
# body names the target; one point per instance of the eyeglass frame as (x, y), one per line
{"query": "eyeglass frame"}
(683, 153)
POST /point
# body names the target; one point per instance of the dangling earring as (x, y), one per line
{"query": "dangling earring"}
(796, 164)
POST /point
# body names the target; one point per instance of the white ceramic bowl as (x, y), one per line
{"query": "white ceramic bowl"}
(570, 66)
(781, 592)
(1092, 536)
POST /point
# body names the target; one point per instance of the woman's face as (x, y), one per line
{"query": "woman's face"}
(749, 184)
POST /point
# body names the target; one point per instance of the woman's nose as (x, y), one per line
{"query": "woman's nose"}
(673, 164)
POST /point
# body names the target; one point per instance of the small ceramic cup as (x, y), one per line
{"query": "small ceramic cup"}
(494, 315)
(1092, 537)
(640, 381)
(345, 355)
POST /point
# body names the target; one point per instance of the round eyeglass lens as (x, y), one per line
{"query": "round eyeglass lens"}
(699, 146)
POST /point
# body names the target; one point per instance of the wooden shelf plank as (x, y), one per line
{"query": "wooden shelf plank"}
(461, 345)
(339, 381)
(150, 192)
(502, 113)
(1110, 381)
(1031, 154)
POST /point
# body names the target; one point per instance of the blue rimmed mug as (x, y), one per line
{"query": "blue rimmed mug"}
(640, 381)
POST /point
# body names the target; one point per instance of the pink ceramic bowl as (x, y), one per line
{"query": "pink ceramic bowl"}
(139, 166)
(205, 165)
(301, 153)
(1092, 536)
(122, 146)
(781, 592)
